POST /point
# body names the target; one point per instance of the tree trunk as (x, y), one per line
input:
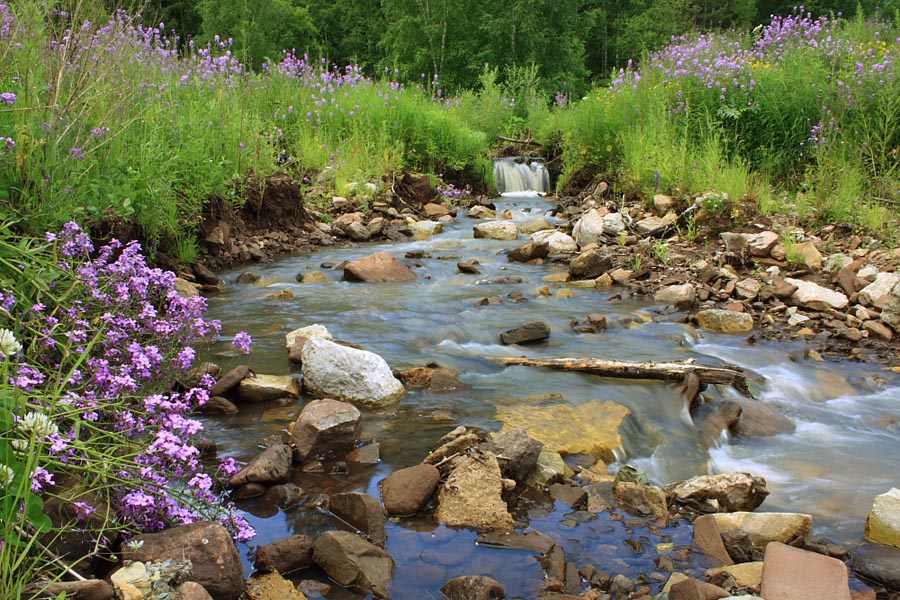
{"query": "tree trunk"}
(662, 371)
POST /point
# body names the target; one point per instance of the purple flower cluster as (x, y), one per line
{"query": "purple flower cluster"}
(118, 331)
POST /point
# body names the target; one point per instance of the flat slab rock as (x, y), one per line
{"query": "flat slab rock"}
(471, 496)
(802, 575)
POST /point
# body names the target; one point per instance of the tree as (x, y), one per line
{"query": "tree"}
(259, 30)
(350, 31)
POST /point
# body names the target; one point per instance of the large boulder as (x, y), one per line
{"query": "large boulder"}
(726, 492)
(325, 428)
(209, 547)
(594, 428)
(883, 523)
(358, 376)
(471, 496)
(815, 297)
(801, 575)
(380, 267)
(589, 228)
(352, 561)
(496, 230)
(272, 466)
(406, 491)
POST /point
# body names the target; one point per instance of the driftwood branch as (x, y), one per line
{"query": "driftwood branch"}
(661, 371)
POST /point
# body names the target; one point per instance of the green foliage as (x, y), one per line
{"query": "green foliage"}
(261, 31)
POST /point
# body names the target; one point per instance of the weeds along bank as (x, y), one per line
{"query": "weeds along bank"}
(801, 117)
(105, 121)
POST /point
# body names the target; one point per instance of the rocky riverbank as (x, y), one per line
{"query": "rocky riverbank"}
(832, 290)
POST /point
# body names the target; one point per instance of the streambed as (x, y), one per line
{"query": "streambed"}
(844, 452)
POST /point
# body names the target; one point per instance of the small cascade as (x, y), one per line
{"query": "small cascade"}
(521, 175)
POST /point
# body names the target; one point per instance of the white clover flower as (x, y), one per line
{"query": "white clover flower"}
(38, 423)
(19, 445)
(6, 476)
(8, 343)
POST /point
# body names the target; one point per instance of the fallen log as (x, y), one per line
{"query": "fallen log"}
(675, 371)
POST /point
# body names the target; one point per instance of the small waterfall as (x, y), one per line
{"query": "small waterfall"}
(521, 174)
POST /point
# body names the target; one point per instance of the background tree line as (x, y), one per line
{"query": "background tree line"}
(567, 44)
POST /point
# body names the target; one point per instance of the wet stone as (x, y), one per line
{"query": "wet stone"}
(362, 512)
(473, 587)
(575, 497)
(406, 491)
(284, 495)
(530, 332)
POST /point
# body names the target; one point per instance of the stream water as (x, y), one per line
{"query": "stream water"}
(844, 452)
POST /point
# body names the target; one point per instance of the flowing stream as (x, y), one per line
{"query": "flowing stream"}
(844, 452)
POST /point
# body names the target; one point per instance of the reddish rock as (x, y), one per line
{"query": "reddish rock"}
(272, 466)
(325, 427)
(708, 538)
(362, 512)
(380, 267)
(284, 556)
(797, 574)
(209, 547)
(694, 589)
(352, 561)
(230, 380)
(406, 491)
(191, 590)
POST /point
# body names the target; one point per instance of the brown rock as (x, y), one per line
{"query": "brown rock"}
(325, 427)
(694, 589)
(209, 547)
(284, 495)
(272, 466)
(726, 492)
(708, 538)
(589, 265)
(267, 388)
(191, 590)
(645, 500)
(801, 575)
(272, 586)
(286, 555)
(529, 251)
(473, 587)
(380, 267)
(217, 405)
(759, 419)
(91, 589)
(570, 495)
(362, 512)
(529, 332)
(472, 494)
(230, 380)
(406, 491)
(352, 561)
(518, 451)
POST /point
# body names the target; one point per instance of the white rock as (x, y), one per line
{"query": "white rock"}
(558, 242)
(613, 223)
(309, 331)
(589, 228)
(815, 297)
(334, 371)
(883, 523)
(867, 273)
(760, 244)
(883, 284)
(680, 296)
(836, 262)
(496, 230)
